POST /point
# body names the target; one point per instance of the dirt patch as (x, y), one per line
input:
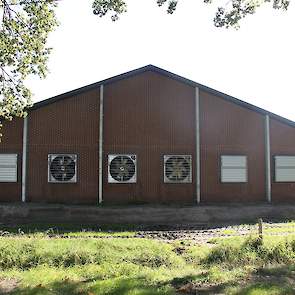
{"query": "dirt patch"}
(8, 285)
(179, 250)
(198, 234)
(203, 235)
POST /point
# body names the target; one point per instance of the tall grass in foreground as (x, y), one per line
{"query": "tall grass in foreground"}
(29, 253)
(252, 251)
(26, 253)
(145, 267)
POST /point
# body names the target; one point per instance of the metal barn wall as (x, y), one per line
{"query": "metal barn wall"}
(12, 141)
(149, 115)
(229, 129)
(282, 142)
(68, 126)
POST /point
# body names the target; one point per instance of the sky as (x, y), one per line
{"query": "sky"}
(255, 63)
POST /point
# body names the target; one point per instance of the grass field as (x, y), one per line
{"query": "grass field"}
(59, 260)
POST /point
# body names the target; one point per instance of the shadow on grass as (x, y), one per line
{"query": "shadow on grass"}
(60, 228)
(60, 287)
(130, 286)
(267, 289)
(118, 286)
(278, 280)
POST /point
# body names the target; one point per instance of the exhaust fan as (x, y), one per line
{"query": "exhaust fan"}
(177, 169)
(122, 169)
(62, 168)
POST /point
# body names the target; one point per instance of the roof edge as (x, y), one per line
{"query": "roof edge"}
(89, 87)
(165, 73)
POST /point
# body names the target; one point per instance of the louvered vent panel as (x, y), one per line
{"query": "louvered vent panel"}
(122, 168)
(285, 161)
(62, 168)
(285, 168)
(8, 168)
(177, 169)
(234, 169)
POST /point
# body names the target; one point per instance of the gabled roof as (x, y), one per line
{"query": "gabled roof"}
(160, 71)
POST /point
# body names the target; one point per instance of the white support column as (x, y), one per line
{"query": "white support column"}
(198, 166)
(267, 159)
(100, 170)
(24, 159)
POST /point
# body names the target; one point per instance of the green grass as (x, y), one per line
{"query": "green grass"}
(40, 262)
(229, 232)
(69, 229)
(268, 229)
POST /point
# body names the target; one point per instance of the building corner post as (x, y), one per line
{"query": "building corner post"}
(267, 159)
(100, 170)
(197, 161)
(24, 159)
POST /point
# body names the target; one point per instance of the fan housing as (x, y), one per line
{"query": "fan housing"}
(177, 169)
(122, 168)
(62, 168)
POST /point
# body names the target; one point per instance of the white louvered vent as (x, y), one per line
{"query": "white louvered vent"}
(234, 169)
(177, 169)
(62, 168)
(8, 167)
(122, 168)
(285, 168)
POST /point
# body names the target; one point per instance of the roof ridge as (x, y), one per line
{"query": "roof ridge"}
(169, 74)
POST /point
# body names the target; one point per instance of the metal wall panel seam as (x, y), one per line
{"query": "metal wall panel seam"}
(24, 159)
(198, 166)
(267, 159)
(100, 171)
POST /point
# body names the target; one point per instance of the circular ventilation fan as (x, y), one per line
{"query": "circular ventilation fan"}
(122, 168)
(177, 168)
(63, 168)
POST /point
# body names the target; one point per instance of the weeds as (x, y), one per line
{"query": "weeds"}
(252, 251)
(43, 265)
(29, 253)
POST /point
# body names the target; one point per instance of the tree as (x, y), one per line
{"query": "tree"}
(24, 29)
(228, 15)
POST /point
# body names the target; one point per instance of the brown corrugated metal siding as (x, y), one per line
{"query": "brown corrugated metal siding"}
(149, 115)
(69, 126)
(229, 129)
(282, 142)
(12, 144)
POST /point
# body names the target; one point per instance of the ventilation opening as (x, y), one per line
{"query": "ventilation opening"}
(62, 168)
(177, 169)
(122, 169)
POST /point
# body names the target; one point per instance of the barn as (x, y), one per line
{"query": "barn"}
(147, 136)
